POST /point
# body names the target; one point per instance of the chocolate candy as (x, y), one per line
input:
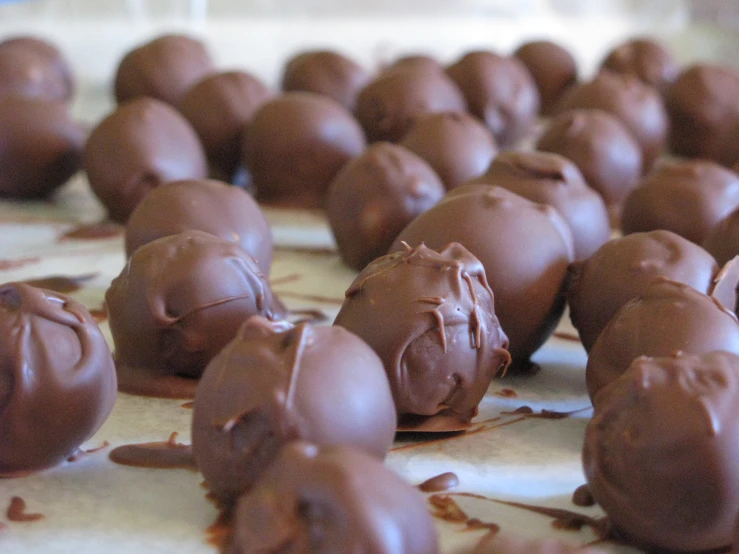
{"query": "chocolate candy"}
(57, 378)
(667, 318)
(416, 61)
(723, 240)
(206, 205)
(660, 452)
(164, 68)
(33, 67)
(176, 304)
(141, 145)
(275, 383)
(455, 144)
(553, 68)
(40, 146)
(500, 91)
(332, 499)
(374, 197)
(622, 269)
(645, 59)
(686, 197)
(295, 146)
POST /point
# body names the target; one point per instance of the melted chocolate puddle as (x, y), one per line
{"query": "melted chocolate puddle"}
(291, 278)
(583, 497)
(446, 508)
(19, 262)
(17, 511)
(309, 316)
(440, 483)
(99, 314)
(168, 454)
(188, 405)
(93, 231)
(142, 382)
(79, 453)
(566, 336)
(63, 284)
(507, 393)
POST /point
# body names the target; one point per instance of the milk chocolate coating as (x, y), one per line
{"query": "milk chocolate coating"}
(141, 145)
(275, 383)
(40, 146)
(723, 240)
(686, 197)
(508, 544)
(164, 68)
(57, 378)
(500, 91)
(219, 107)
(553, 68)
(638, 106)
(328, 73)
(388, 106)
(415, 61)
(374, 197)
(667, 318)
(33, 67)
(331, 500)
(604, 150)
(455, 144)
(180, 299)
(645, 59)
(295, 146)
(205, 205)
(551, 179)
(660, 452)
(623, 268)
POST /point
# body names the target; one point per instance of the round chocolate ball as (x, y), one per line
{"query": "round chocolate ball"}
(275, 383)
(40, 146)
(686, 197)
(660, 452)
(553, 68)
(141, 145)
(645, 59)
(33, 67)
(374, 197)
(295, 146)
(205, 205)
(526, 264)
(415, 61)
(57, 378)
(332, 499)
(456, 145)
(164, 68)
(722, 242)
(500, 91)
(623, 268)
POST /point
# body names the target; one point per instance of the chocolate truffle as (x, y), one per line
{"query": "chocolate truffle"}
(526, 263)
(40, 146)
(415, 61)
(430, 316)
(686, 197)
(500, 91)
(275, 383)
(317, 500)
(374, 197)
(623, 268)
(389, 105)
(455, 144)
(219, 108)
(177, 302)
(667, 318)
(33, 67)
(295, 146)
(553, 68)
(645, 59)
(141, 145)
(507, 544)
(554, 180)
(660, 452)
(206, 205)
(57, 378)
(164, 68)
(604, 150)
(723, 240)
(328, 73)
(638, 106)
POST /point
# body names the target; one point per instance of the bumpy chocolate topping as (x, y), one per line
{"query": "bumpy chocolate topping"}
(507, 544)
(179, 300)
(500, 91)
(317, 500)
(164, 68)
(374, 197)
(667, 318)
(219, 108)
(455, 144)
(430, 316)
(553, 68)
(723, 240)
(528, 288)
(686, 197)
(275, 383)
(40, 146)
(57, 378)
(295, 146)
(660, 452)
(645, 59)
(623, 268)
(33, 67)
(554, 180)
(141, 145)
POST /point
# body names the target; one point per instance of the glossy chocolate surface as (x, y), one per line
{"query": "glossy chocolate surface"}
(553, 68)
(723, 240)
(645, 59)
(33, 67)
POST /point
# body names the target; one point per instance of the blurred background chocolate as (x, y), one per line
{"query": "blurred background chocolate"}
(30, 66)
(723, 240)
(646, 59)
(509, 544)
(553, 68)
